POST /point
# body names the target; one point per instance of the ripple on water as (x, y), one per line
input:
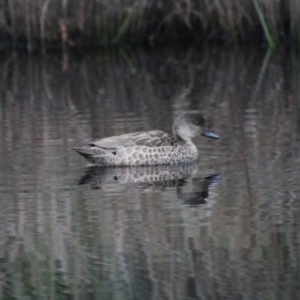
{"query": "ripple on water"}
(225, 228)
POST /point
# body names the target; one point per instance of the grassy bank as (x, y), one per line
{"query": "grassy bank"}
(86, 23)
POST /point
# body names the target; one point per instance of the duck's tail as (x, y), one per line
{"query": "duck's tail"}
(96, 155)
(86, 152)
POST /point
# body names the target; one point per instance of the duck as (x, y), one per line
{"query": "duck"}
(146, 148)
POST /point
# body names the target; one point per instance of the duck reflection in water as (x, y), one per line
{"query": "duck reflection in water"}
(192, 189)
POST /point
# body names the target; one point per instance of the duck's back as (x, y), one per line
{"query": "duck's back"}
(153, 138)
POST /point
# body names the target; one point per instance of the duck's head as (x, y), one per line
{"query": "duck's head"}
(190, 125)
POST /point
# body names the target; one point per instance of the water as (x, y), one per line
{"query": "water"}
(225, 228)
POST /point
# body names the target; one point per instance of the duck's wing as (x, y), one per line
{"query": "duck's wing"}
(154, 138)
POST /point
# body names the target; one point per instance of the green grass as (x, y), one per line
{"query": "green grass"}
(77, 23)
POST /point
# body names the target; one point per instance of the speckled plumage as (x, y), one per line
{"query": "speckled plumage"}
(149, 148)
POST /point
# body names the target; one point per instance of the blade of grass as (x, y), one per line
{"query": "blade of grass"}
(264, 25)
(125, 24)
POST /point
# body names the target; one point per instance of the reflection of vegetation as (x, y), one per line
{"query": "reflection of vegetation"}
(78, 23)
(64, 241)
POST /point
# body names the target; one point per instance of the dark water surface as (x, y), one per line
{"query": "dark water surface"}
(225, 228)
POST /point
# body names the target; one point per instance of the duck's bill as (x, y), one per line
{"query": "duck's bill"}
(210, 134)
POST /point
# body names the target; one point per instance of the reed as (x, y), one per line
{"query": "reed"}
(78, 23)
